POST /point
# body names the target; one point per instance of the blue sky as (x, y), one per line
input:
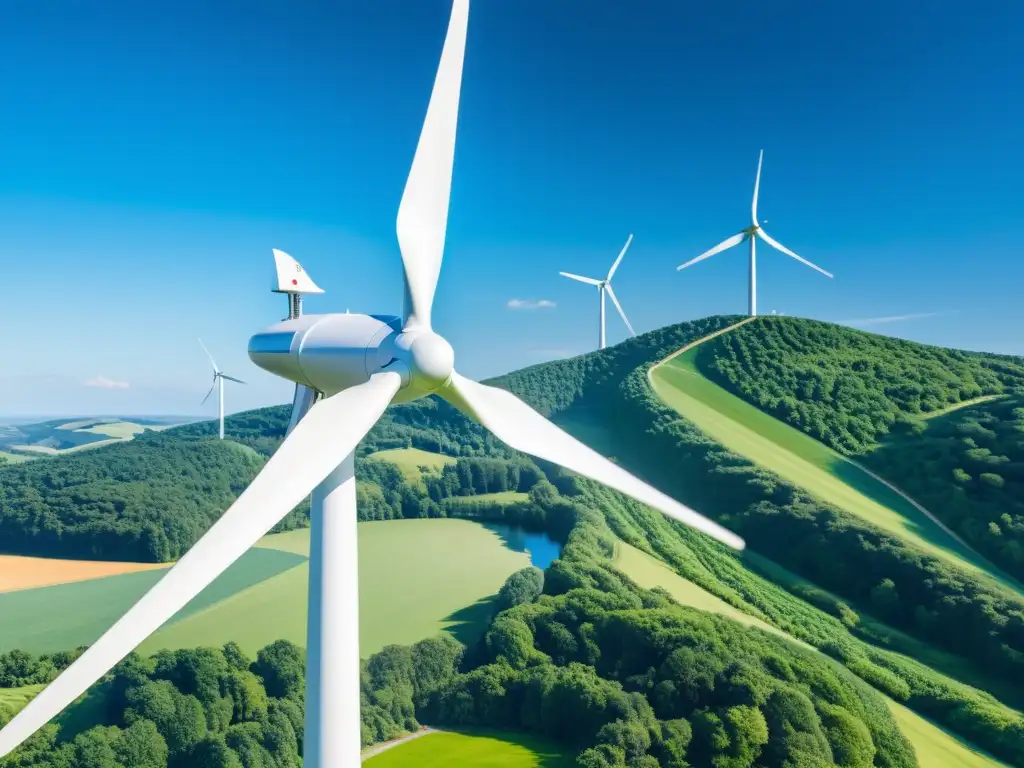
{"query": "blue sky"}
(151, 155)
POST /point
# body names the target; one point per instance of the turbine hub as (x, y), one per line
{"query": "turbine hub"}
(430, 358)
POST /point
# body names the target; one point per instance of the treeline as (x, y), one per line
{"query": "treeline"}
(147, 500)
(967, 468)
(18, 668)
(427, 424)
(845, 387)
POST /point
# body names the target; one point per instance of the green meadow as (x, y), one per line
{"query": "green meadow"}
(480, 749)
(409, 461)
(416, 578)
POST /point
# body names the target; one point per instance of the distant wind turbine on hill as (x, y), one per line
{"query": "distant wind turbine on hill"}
(604, 286)
(218, 384)
(751, 233)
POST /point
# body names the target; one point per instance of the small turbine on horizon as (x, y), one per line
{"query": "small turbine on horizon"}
(218, 383)
(604, 286)
(751, 233)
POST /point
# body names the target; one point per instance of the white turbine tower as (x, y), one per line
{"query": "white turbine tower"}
(218, 384)
(354, 366)
(605, 286)
(751, 233)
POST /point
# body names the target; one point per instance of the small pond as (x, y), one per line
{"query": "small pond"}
(541, 547)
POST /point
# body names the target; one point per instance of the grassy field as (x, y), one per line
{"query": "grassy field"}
(17, 572)
(504, 497)
(417, 578)
(934, 746)
(479, 749)
(14, 458)
(16, 698)
(409, 460)
(960, 405)
(649, 572)
(803, 461)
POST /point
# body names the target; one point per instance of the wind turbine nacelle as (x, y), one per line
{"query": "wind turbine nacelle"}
(328, 353)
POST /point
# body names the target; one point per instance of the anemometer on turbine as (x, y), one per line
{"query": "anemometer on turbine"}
(359, 364)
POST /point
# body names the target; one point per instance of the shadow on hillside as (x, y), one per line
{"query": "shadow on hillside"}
(916, 521)
(467, 624)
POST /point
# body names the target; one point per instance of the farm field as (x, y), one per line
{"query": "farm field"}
(803, 461)
(417, 578)
(934, 746)
(65, 616)
(262, 597)
(482, 749)
(17, 572)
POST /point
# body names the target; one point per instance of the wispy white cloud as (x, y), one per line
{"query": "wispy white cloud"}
(892, 318)
(530, 304)
(102, 382)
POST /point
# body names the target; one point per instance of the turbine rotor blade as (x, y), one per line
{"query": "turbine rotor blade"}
(210, 392)
(318, 444)
(423, 212)
(780, 247)
(619, 259)
(212, 362)
(588, 280)
(231, 378)
(618, 306)
(757, 184)
(521, 427)
(736, 239)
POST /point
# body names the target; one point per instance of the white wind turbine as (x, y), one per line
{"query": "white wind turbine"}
(605, 286)
(218, 384)
(348, 369)
(751, 233)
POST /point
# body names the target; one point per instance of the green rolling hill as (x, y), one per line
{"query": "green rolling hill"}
(886, 592)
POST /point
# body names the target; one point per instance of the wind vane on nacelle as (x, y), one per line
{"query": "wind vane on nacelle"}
(291, 279)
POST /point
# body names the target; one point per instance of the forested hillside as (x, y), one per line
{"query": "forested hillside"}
(848, 388)
(865, 396)
(968, 468)
(147, 500)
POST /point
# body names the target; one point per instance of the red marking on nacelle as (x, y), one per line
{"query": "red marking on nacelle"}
(295, 282)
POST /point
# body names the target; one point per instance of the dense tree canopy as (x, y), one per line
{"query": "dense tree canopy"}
(147, 500)
(847, 388)
(967, 468)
